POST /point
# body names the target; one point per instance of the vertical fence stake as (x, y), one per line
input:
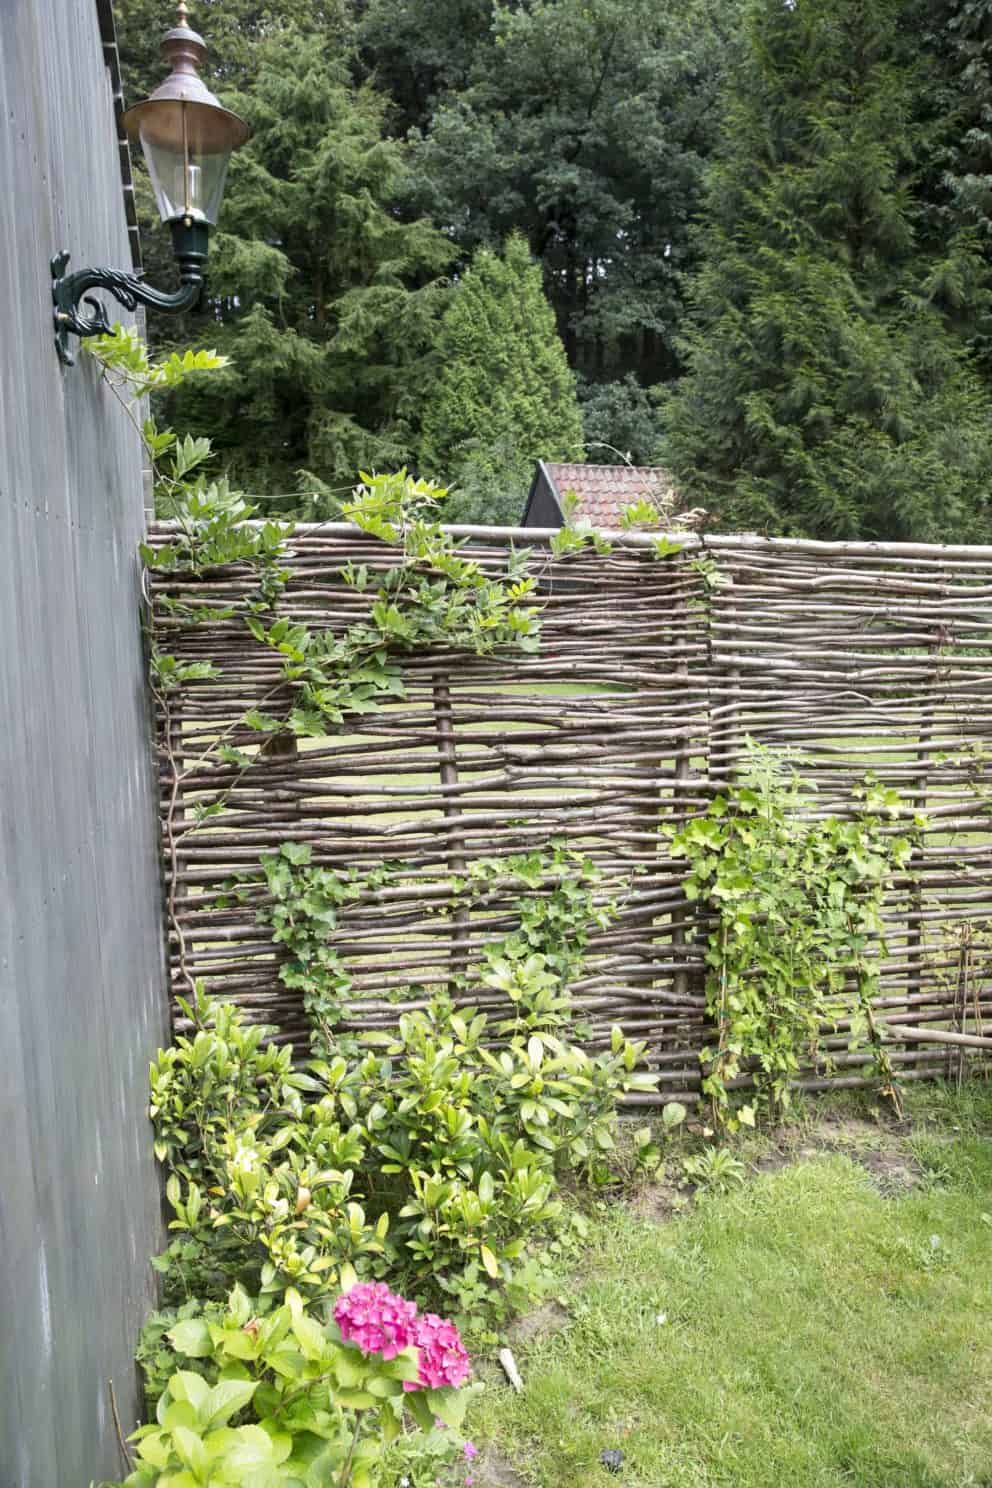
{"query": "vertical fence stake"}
(915, 935)
(682, 775)
(448, 766)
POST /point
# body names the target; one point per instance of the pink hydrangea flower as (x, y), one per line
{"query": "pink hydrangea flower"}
(443, 1359)
(380, 1322)
(376, 1319)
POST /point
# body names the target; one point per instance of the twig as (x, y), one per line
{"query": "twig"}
(121, 1442)
(346, 1470)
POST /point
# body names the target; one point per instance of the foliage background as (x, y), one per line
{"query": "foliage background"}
(762, 232)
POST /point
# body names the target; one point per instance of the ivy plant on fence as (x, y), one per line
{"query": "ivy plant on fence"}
(423, 1151)
(799, 935)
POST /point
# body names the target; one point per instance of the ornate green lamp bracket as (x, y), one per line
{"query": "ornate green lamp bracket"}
(70, 292)
(187, 139)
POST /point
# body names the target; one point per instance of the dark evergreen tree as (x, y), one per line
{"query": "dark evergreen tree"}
(621, 421)
(421, 52)
(325, 298)
(955, 38)
(960, 33)
(504, 396)
(585, 127)
(831, 390)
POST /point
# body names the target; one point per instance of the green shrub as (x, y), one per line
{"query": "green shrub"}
(261, 1182)
(472, 1139)
(287, 1397)
(435, 1150)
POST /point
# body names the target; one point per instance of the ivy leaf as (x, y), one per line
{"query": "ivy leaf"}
(296, 853)
(232, 756)
(262, 723)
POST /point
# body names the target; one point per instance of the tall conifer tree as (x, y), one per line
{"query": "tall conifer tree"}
(831, 390)
(504, 395)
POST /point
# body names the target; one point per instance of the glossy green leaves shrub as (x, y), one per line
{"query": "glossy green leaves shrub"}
(260, 1181)
(433, 1152)
(472, 1139)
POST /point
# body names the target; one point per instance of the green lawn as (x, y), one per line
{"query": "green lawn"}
(805, 1331)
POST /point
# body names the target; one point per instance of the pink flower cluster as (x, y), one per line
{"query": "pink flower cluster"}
(382, 1323)
(443, 1360)
(376, 1319)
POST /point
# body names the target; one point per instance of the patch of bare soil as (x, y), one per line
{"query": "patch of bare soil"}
(657, 1201)
(893, 1173)
(542, 1321)
(879, 1149)
(851, 1131)
(783, 1157)
(491, 1470)
(876, 1147)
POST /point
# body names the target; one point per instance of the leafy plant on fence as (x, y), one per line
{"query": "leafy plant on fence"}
(434, 595)
(435, 1150)
(555, 905)
(798, 934)
(302, 907)
(131, 374)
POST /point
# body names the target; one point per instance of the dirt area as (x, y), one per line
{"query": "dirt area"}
(549, 1318)
(493, 1471)
(659, 1201)
(880, 1148)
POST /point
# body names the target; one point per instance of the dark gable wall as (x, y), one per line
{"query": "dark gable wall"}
(542, 509)
(81, 976)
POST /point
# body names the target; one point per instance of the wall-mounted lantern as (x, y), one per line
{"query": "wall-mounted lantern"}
(187, 139)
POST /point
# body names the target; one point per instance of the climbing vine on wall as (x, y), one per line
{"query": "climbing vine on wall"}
(556, 897)
(799, 933)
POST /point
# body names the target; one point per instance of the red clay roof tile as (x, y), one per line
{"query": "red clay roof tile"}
(605, 491)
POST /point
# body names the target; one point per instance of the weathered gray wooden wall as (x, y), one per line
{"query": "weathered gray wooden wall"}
(81, 1005)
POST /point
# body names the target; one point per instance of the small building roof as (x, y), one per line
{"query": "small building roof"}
(603, 492)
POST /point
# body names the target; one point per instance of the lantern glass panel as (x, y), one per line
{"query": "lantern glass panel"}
(186, 159)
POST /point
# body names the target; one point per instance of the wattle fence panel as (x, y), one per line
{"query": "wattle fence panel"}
(650, 676)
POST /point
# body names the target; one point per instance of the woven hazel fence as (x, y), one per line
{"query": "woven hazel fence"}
(651, 673)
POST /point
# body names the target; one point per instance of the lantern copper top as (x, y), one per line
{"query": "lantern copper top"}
(218, 130)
